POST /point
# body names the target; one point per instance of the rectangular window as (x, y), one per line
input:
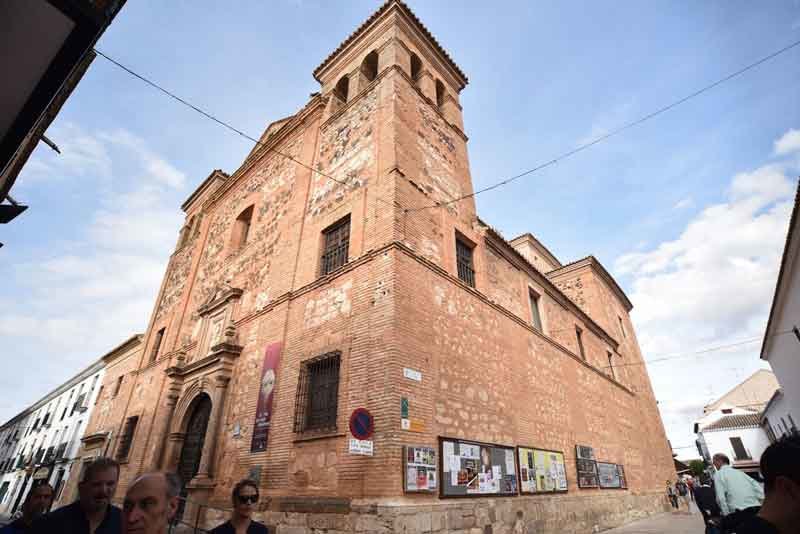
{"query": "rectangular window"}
(621, 326)
(118, 385)
(127, 438)
(466, 268)
(611, 365)
(536, 317)
(579, 335)
(318, 394)
(738, 449)
(770, 433)
(335, 246)
(99, 394)
(157, 344)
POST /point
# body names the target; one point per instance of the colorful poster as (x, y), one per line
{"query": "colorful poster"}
(420, 469)
(269, 371)
(477, 469)
(541, 471)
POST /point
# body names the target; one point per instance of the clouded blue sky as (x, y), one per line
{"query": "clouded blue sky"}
(689, 210)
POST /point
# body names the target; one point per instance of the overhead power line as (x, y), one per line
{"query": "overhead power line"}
(679, 355)
(612, 133)
(222, 123)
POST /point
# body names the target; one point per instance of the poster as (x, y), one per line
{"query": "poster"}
(420, 469)
(586, 466)
(477, 469)
(541, 470)
(610, 475)
(269, 370)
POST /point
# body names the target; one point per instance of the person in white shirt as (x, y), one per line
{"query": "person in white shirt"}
(739, 496)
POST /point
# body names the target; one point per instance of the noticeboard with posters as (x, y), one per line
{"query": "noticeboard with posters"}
(541, 470)
(474, 469)
(611, 475)
(586, 465)
(419, 469)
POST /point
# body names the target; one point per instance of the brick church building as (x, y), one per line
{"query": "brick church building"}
(343, 266)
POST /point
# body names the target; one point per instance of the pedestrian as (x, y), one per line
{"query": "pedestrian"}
(673, 499)
(780, 513)
(706, 502)
(245, 497)
(739, 496)
(683, 490)
(151, 503)
(93, 512)
(36, 504)
(691, 482)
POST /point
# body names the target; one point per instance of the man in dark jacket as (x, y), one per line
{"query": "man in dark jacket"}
(37, 502)
(93, 512)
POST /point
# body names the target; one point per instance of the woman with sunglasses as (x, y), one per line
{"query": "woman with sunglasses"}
(245, 497)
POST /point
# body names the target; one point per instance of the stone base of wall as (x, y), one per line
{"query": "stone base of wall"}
(541, 514)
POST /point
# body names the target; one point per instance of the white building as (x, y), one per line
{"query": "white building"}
(732, 425)
(777, 417)
(42, 442)
(781, 346)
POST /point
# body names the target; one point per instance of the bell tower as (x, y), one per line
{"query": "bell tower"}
(394, 67)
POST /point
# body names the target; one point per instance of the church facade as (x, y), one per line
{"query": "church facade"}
(340, 285)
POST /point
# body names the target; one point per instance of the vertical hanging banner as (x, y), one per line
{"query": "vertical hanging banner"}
(269, 370)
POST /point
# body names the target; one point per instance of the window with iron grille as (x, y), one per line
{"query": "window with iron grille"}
(127, 437)
(466, 269)
(317, 393)
(336, 242)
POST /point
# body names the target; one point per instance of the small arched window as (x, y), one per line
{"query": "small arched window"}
(242, 228)
(341, 89)
(369, 67)
(439, 93)
(416, 67)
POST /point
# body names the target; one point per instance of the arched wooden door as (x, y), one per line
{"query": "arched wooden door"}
(192, 449)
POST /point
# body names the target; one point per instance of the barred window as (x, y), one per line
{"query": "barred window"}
(336, 242)
(127, 438)
(318, 393)
(466, 269)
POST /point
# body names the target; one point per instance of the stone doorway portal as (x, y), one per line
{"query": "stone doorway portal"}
(192, 450)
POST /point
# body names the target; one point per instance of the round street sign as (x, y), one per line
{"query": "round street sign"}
(361, 424)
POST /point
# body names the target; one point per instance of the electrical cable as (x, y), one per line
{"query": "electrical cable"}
(612, 132)
(678, 355)
(208, 115)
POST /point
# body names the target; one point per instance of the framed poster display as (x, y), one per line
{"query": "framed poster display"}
(541, 470)
(586, 465)
(474, 469)
(608, 475)
(419, 469)
(622, 480)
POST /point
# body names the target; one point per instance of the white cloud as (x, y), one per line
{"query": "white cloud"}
(710, 286)
(79, 298)
(788, 143)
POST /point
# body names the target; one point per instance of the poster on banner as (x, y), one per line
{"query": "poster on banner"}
(541, 470)
(477, 469)
(419, 468)
(269, 373)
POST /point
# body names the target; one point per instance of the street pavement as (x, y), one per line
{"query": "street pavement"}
(669, 523)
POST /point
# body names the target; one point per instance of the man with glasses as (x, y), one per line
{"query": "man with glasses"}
(245, 497)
